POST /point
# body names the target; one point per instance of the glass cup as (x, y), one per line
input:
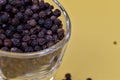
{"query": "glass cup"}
(40, 65)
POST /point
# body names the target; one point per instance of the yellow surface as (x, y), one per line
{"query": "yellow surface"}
(91, 52)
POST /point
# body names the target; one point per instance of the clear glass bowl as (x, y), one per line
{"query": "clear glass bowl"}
(39, 65)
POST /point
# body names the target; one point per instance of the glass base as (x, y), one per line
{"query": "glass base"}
(52, 78)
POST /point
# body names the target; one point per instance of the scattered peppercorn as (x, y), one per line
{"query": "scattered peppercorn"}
(89, 79)
(68, 76)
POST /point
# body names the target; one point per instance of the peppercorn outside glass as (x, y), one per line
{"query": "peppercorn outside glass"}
(39, 65)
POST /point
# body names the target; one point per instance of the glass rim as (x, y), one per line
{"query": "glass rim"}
(50, 49)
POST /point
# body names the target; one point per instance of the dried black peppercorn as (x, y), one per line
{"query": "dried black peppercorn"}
(29, 23)
(4, 18)
(16, 42)
(48, 23)
(49, 32)
(28, 49)
(16, 35)
(29, 12)
(42, 14)
(14, 10)
(33, 36)
(48, 37)
(35, 16)
(35, 8)
(20, 28)
(41, 34)
(15, 21)
(32, 22)
(54, 28)
(8, 33)
(57, 12)
(41, 21)
(37, 48)
(41, 41)
(2, 36)
(26, 38)
(8, 8)
(5, 48)
(34, 42)
(7, 43)
(3, 2)
(19, 16)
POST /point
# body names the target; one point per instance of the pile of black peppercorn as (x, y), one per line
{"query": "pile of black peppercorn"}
(29, 25)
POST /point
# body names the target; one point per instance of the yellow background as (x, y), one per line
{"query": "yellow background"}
(91, 52)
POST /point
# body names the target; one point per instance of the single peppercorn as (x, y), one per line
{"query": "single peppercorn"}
(15, 21)
(35, 8)
(29, 12)
(48, 37)
(50, 43)
(49, 32)
(41, 41)
(8, 8)
(54, 28)
(19, 16)
(34, 42)
(2, 36)
(28, 49)
(16, 35)
(14, 10)
(42, 14)
(5, 48)
(4, 18)
(33, 36)
(7, 43)
(37, 48)
(57, 13)
(41, 34)
(20, 28)
(16, 42)
(26, 38)
(32, 22)
(41, 21)
(3, 2)
(35, 16)
(48, 23)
